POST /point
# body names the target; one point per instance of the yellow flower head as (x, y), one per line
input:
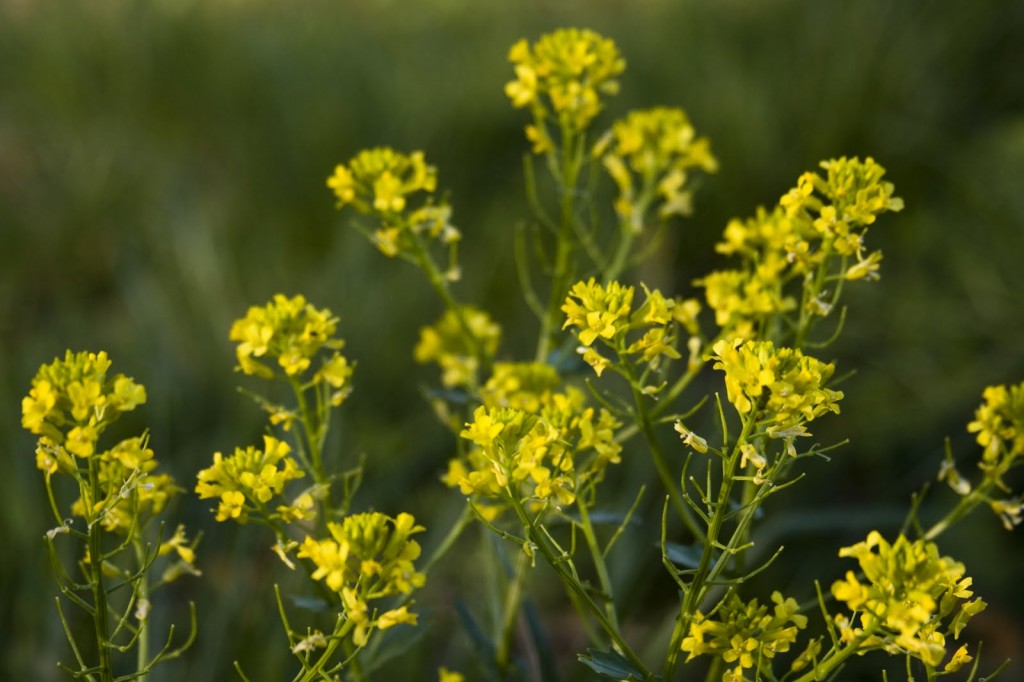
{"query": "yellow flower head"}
(786, 384)
(741, 633)
(453, 344)
(564, 74)
(72, 401)
(379, 180)
(649, 155)
(248, 479)
(906, 593)
(293, 332)
(368, 557)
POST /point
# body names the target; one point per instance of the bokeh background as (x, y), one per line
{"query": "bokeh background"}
(162, 168)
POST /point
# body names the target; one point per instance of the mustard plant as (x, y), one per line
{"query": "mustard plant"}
(610, 382)
(107, 558)
(535, 438)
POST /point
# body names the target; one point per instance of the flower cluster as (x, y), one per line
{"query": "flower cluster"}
(248, 479)
(293, 332)
(73, 400)
(820, 222)
(458, 342)
(908, 601)
(745, 635)
(368, 557)
(605, 312)
(71, 403)
(520, 385)
(379, 182)
(785, 385)
(649, 154)
(541, 455)
(563, 75)
(999, 423)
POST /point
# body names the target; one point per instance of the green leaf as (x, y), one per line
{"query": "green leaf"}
(610, 664)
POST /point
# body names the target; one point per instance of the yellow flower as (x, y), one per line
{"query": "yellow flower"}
(653, 150)
(445, 675)
(564, 74)
(454, 345)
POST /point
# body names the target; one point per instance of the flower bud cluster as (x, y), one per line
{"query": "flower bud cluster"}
(649, 154)
(71, 403)
(563, 76)
(999, 423)
(368, 557)
(745, 635)
(908, 600)
(294, 333)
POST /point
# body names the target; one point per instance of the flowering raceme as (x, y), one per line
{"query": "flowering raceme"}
(293, 332)
(563, 75)
(788, 386)
(447, 343)
(539, 456)
(605, 313)
(909, 600)
(72, 401)
(649, 154)
(745, 634)
(814, 235)
(246, 480)
(379, 182)
(368, 556)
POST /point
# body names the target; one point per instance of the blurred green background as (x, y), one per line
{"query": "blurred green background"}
(162, 168)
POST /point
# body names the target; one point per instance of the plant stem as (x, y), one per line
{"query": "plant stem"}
(563, 248)
(99, 592)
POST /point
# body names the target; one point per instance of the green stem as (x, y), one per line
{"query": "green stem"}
(646, 423)
(563, 248)
(705, 572)
(599, 563)
(99, 592)
(142, 595)
(422, 258)
(510, 614)
(577, 592)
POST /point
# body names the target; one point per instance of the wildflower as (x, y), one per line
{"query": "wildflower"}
(458, 342)
(692, 439)
(745, 634)
(564, 75)
(72, 401)
(541, 456)
(999, 423)
(368, 557)
(379, 180)
(598, 311)
(248, 479)
(909, 590)
(786, 384)
(294, 332)
(654, 149)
